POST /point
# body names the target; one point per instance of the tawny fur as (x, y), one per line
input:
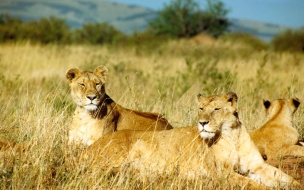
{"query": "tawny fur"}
(278, 136)
(97, 114)
(218, 147)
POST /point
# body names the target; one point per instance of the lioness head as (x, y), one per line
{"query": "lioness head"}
(217, 114)
(272, 108)
(88, 88)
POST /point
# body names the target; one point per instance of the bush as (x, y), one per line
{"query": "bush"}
(10, 28)
(292, 41)
(97, 33)
(52, 30)
(56, 30)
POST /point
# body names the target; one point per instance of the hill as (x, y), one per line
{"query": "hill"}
(127, 18)
(264, 31)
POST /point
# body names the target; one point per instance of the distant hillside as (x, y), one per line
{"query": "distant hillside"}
(264, 31)
(127, 18)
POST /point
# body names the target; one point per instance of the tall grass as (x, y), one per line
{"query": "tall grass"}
(36, 106)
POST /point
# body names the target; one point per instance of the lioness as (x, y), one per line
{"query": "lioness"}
(97, 114)
(278, 137)
(219, 146)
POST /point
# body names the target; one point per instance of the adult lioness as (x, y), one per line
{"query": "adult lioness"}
(97, 114)
(220, 146)
(278, 137)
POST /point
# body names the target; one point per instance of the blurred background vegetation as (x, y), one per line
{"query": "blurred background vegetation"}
(178, 19)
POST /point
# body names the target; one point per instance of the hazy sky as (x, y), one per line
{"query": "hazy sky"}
(284, 12)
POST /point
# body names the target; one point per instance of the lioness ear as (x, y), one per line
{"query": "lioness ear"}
(296, 102)
(199, 97)
(71, 74)
(232, 97)
(102, 72)
(266, 103)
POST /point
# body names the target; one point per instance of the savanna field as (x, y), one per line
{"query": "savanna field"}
(36, 106)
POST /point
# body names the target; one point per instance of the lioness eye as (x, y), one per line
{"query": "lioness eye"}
(81, 84)
(216, 109)
(97, 84)
(201, 109)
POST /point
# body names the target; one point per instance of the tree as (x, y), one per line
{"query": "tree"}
(183, 18)
(214, 19)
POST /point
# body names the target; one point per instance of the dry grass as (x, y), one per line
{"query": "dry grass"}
(36, 106)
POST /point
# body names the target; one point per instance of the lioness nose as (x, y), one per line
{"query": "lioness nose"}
(91, 97)
(204, 123)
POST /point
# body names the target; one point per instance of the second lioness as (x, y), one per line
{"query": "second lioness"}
(278, 136)
(97, 114)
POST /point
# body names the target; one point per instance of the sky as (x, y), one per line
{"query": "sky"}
(283, 12)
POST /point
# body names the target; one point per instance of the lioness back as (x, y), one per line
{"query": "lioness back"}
(97, 114)
(115, 149)
(136, 120)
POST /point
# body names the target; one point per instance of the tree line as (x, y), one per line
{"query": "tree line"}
(178, 19)
(55, 30)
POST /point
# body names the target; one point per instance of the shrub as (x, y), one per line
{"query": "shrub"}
(97, 33)
(292, 41)
(10, 28)
(52, 30)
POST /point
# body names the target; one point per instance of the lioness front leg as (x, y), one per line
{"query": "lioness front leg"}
(246, 182)
(270, 176)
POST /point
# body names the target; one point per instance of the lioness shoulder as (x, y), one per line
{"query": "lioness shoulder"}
(278, 136)
(97, 114)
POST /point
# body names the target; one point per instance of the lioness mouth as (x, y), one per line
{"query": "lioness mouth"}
(90, 107)
(203, 130)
